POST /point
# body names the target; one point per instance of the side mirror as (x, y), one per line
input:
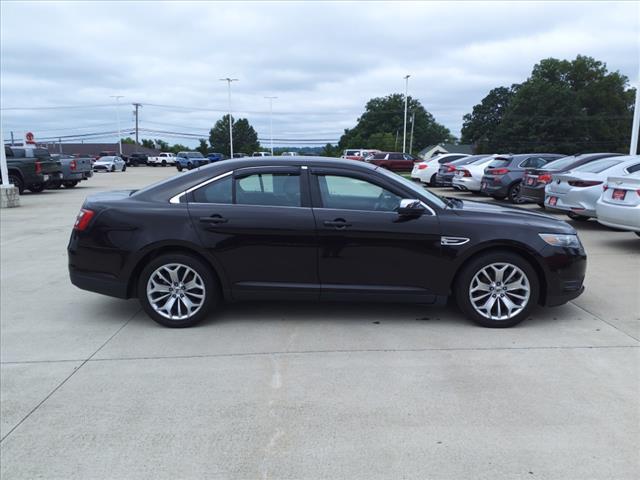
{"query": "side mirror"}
(410, 207)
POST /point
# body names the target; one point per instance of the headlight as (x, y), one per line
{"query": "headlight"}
(560, 240)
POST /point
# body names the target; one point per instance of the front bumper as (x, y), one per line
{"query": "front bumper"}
(565, 270)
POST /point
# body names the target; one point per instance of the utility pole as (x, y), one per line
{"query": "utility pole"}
(397, 135)
(229, 80)
(635, 126)
(404, 137)
(413, 122)
(118, 97)
(136, 105)
(271, 99)
(60, 144)
(12, 138)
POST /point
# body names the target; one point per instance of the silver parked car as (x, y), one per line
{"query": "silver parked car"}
(577, 191)
(619, 204)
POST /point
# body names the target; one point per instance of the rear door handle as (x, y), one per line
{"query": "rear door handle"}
(214, 219)
(338, 223)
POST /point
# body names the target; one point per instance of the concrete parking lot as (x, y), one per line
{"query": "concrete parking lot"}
(92, 388)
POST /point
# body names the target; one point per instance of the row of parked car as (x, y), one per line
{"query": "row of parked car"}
(35, 169)
(603, 186)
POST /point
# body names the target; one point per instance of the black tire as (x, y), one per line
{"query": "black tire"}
(576, 217)
(70, 183)
(124, 168)
(113, 168)
(37, 188)
(179, 167)
(498, 197)
(164, 163)
(17, 182)
(189, 166)
(542, 206)
(211, 289)
(465, 277)
(514, 193)
(637, 233)
(432, 181)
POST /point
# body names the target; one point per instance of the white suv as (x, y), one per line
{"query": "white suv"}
(426, 170)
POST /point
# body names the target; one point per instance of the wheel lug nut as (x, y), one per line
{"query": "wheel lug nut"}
(494, 295)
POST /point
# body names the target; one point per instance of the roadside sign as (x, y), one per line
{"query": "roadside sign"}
(29, 138)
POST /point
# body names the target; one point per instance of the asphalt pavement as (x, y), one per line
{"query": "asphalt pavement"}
(91, 388)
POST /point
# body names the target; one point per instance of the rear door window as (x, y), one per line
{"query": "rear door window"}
(500, 162)
(274, 189)
(215, 192)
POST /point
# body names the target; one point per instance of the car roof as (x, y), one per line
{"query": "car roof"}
(184, 181)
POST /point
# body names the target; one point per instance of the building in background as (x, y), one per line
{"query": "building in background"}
(433, 150)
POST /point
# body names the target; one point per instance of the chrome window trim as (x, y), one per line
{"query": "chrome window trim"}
(176, 198)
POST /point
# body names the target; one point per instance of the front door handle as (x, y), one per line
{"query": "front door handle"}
(214, 219)
(338, 223)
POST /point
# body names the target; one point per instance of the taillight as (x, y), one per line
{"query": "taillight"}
(422, 166)
(544, 178)
(465, 173)
(638, 192)
(498, 171)
(450, 168)
(605, 187)
(73, 165)
(83, 219)
(584, 183)
(38, 167)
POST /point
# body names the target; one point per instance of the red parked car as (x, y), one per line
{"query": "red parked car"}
(399, 162)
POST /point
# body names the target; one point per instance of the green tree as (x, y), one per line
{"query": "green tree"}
(330, 151)
(479, 127)
(128, 141)
(245, 138)
(178, 148)
(564, 106)
(383, 120)
(203, 147)
(148, 143)
(162, 145)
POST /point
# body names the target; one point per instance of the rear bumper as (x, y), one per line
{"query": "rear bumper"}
(621, 217)
(444, 180)
(495, 190)
(532, 194)
(98, 283)
(466, 183)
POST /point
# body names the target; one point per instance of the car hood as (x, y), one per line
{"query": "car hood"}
(512, 215)
(103, 162)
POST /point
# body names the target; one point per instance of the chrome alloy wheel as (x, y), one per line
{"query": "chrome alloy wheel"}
(499, 291)
(176, 291)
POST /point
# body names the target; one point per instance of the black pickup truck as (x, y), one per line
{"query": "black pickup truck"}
(32, 168)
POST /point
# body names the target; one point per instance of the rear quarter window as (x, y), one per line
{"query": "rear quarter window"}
(501, 162)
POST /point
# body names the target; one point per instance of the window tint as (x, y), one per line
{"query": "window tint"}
(634, 168)
(354, 194)
(379, 156)
(561, 163)
(500, 162)
(598, 166)
(396, 156)
(215, 192)
(533, 162)
(277, 189)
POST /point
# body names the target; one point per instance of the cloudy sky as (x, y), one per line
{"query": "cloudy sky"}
(323, 60)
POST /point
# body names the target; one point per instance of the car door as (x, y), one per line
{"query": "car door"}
(397, 162)
(258, 224)
(366, 249)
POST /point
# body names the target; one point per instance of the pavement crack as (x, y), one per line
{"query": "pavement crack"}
(84, 362)
(603, 320)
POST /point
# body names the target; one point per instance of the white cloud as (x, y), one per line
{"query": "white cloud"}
(323, 60)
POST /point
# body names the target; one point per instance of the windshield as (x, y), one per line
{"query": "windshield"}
(500, 162)
(422, 192)
(560, 164)
(475, 159)
(194, 155)
(599, 166)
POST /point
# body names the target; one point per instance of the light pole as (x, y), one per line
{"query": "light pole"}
(635, 125)
(229, 80)
(271, 99)
(404, 136)
(118, 97)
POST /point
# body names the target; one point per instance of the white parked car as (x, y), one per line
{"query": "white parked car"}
(164, 159)
(426, 170)
(289, 154)
(469, 177)
(577, 191)
(619, 204)
(109, 164)
(261, 154)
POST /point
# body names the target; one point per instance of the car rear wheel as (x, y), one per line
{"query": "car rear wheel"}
(178, 290)
(189, 166)
(164, 163)
(37, 188)
(497, 289)
(17, 182)
(576, 217)
(124, 167)
(179, 167)
(113, 168)
(70, 183)
(432, 181)
(514, 193)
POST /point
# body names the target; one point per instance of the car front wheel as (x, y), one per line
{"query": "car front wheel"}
(124, 167)
(497, 289)
(178, 290)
